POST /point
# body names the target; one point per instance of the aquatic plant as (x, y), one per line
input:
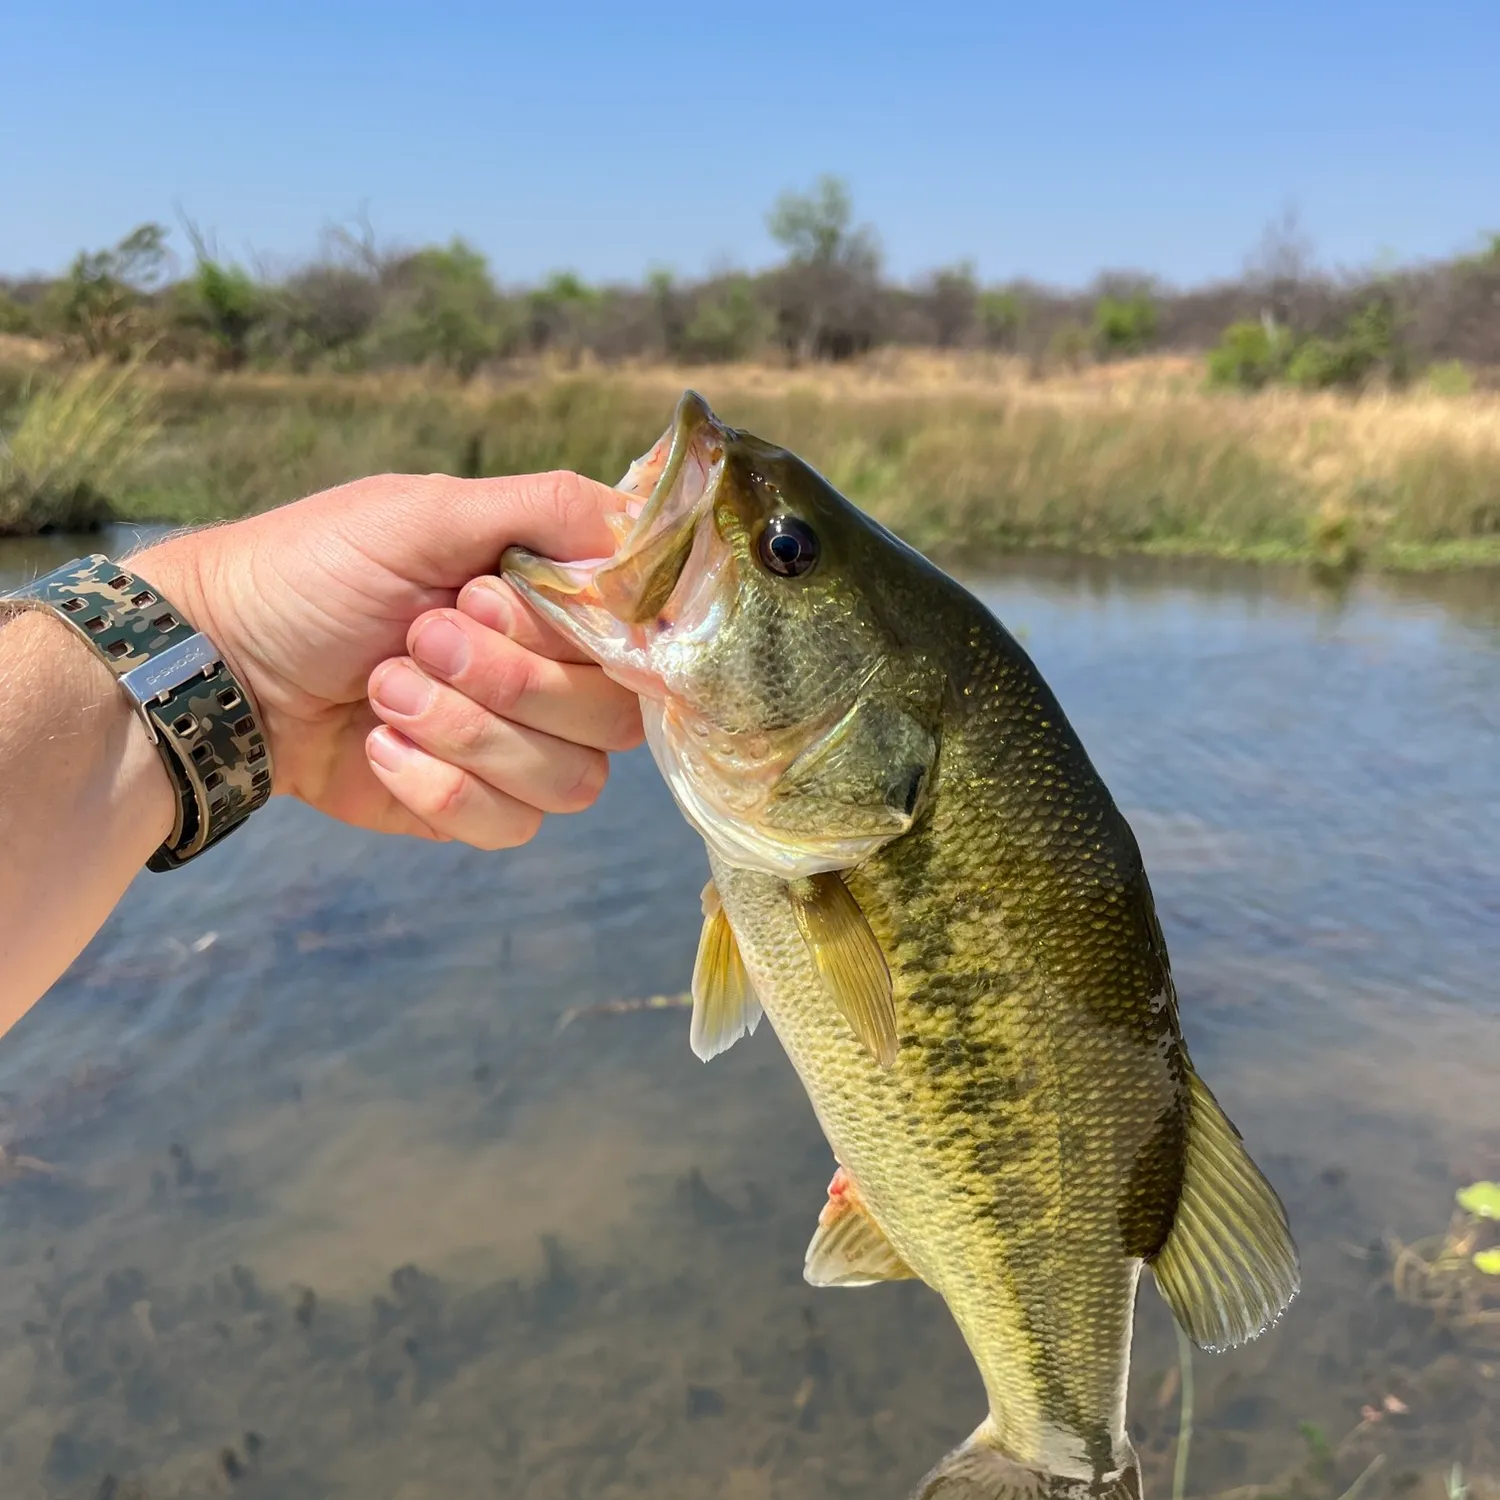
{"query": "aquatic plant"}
(1454, 1275)
(1481, 1199)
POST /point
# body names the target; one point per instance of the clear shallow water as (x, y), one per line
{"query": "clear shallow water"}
(320, 1203)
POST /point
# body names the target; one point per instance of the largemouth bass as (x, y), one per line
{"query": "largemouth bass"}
(919, 876)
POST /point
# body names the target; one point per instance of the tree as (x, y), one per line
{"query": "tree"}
(952, 301)
(224, 301)
(814, 227)
(98, 304)
(827, 304)
(1281, 264)
(443, 307)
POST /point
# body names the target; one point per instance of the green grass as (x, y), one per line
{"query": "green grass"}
(964, 467)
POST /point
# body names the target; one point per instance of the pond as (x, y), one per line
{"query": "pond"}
(308, 1193)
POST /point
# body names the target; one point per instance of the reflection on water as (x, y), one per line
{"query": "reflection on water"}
(305, 1195)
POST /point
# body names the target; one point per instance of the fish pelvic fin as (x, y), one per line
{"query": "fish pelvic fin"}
(848, 1247)
(978, 1469)
(725, 1005)
(849, 961)
(1228, 1268)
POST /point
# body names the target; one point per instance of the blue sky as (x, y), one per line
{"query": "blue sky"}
(1049, 140)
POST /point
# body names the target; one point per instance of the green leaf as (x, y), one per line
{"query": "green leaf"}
(1482, 1199)
(1488, 1261)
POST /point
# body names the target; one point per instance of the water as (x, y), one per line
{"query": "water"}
(316, 1201)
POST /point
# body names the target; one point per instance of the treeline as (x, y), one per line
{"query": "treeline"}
(360, 307)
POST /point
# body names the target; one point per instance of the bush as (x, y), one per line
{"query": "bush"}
(1000, 317)
(1368, 343)
(225, 304)
(16, 317)
(1450, 377)
(99, 304)
(1250, 355)
(1124, 325)
(442, 307)
(728, 323)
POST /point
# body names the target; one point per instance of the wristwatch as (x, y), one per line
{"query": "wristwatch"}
(199, 715)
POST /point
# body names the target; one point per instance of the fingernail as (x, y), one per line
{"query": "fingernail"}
(441, 645)
(485, 600)
(389, 750)
(403, 691)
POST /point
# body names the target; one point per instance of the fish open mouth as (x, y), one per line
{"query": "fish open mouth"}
(609, 604)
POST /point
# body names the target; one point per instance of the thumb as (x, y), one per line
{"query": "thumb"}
(451, 530)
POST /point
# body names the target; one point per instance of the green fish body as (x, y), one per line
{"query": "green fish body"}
(921, 879)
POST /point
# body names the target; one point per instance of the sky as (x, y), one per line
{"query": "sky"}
(1051, 140)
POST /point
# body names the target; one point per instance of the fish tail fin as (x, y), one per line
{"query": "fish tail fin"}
(1229, 1267)
(979, 1469)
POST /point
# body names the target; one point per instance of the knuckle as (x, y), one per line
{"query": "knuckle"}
(629, 731)
(519, 826)
(510, 679)
(468, 732)
(588, 784)
(443, 794)
(562, 493)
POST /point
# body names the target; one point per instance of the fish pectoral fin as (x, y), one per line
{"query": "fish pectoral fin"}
(725, 1006)
(1228, 1268)
(848, 1247)
(849, 961)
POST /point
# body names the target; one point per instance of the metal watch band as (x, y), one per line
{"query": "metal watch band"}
(199, 715)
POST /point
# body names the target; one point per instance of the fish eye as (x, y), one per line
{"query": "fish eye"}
(788, 547)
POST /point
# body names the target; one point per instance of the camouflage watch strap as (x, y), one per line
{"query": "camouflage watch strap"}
(198, 714)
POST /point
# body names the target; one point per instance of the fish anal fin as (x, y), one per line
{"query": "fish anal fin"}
(848, 1247)
(849, 961)
(725, 1006)
(978, 1469)
(1228, 1268)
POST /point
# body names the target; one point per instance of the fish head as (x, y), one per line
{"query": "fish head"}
(758, 614)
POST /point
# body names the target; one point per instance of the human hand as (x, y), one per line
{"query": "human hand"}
(402, 687)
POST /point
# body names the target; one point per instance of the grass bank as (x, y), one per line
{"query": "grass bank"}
(965, 457)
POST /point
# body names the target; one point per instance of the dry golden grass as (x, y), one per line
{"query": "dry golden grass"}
(965, 454)
(74, 442)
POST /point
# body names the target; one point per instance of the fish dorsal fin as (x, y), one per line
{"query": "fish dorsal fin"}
(849, 961)
(1228, 1268)
(725, 1006)
(848, 1247)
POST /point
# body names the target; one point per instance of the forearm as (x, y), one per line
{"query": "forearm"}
(84, 801)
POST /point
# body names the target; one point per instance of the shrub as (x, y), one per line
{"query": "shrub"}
(1000, 317)
(16, 317)
(1124, 325)
(1250, 354)
(99, 303)
(1450, 377)
(442, 307)
(728, 323)
(1368, 343)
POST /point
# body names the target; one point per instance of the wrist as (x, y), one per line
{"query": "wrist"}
(77, 707)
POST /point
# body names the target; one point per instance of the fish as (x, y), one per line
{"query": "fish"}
(919, 876)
